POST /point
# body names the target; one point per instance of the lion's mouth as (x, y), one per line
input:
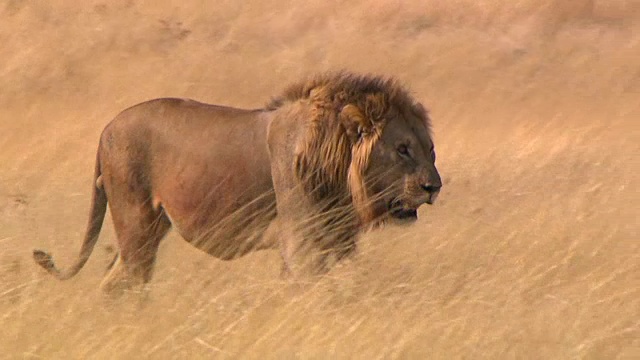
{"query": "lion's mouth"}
(399, 210)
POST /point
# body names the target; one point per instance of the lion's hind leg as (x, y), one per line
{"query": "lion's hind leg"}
(139, 230)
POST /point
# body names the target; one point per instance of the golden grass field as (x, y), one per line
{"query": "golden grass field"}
(532, 250)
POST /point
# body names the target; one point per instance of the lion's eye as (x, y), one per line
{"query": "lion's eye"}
(403, 150)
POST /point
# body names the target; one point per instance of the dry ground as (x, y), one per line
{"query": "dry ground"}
(531, 252)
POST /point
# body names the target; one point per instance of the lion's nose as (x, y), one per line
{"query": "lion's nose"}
(432, 190)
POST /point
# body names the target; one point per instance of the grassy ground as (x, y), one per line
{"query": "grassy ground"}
(532, 250)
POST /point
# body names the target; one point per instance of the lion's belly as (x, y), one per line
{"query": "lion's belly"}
(221, 206)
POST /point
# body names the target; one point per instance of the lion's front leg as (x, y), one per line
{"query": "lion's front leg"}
(301, 256)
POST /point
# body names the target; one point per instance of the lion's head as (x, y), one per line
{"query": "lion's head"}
(368, 141)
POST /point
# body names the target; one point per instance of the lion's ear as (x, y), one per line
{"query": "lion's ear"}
(354, 122)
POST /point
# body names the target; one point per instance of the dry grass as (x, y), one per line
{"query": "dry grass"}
(531, 252)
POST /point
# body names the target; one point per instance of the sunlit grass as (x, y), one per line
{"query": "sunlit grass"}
(530, 252)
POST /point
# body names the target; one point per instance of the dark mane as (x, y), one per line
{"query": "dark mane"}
(345, 87)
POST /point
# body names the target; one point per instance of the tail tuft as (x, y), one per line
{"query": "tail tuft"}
(43, 259)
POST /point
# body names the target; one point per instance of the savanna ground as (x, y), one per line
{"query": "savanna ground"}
(532, 250)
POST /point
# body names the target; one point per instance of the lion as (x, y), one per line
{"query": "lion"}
(335, 155)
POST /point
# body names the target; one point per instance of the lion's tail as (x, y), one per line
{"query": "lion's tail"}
(96, 217)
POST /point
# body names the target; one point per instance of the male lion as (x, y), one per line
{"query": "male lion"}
(333, 155)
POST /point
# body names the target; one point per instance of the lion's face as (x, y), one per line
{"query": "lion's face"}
(401, 173)
(377, 142)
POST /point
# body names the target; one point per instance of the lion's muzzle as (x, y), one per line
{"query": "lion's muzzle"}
(432, 192)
